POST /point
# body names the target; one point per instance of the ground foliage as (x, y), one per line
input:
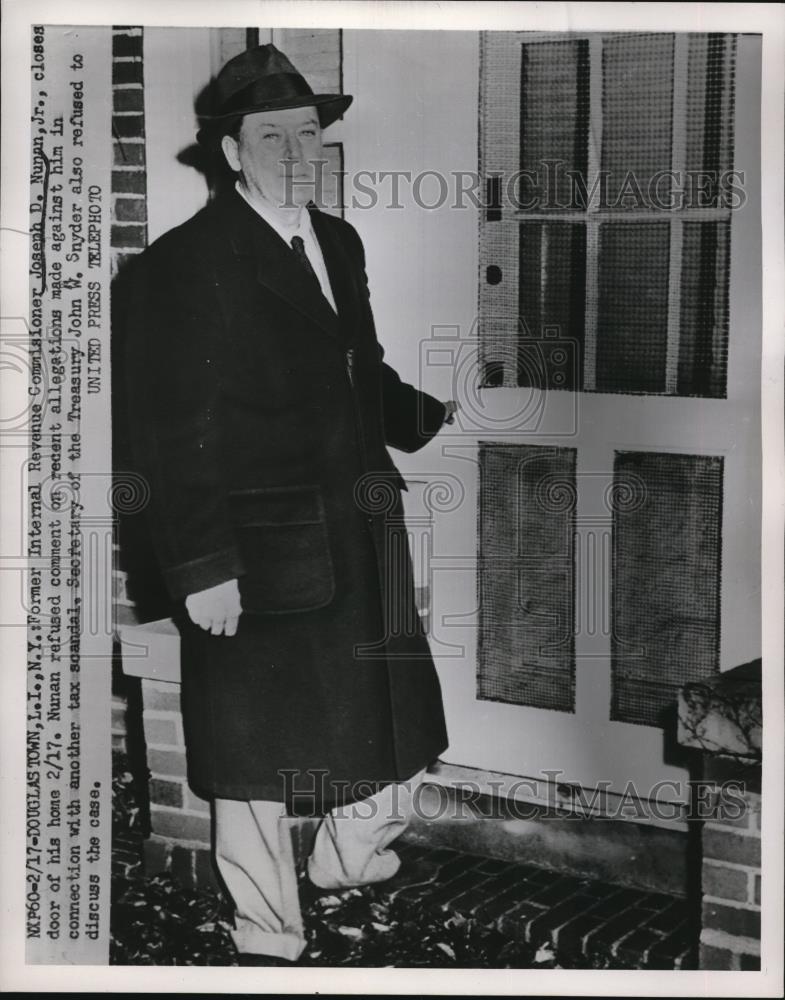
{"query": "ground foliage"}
(155, 921)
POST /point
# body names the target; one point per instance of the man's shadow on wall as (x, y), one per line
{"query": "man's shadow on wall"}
(206, 157)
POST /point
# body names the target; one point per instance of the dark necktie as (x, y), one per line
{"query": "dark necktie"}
(299, 248)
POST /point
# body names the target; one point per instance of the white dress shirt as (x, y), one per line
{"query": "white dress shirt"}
(303, 228)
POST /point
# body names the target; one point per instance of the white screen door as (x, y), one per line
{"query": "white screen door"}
(606, 547)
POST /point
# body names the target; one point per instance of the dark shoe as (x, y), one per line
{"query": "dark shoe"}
(248, 959)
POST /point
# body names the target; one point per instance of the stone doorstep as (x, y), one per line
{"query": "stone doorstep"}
(643, 856)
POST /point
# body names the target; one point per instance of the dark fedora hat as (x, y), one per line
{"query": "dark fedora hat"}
(263, 79)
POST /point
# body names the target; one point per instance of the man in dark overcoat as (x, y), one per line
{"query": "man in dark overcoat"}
(260, 412)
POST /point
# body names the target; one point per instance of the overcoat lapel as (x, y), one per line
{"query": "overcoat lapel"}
(339, 270)
(279, 271)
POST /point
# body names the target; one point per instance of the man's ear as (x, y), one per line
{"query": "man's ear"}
(231, 151)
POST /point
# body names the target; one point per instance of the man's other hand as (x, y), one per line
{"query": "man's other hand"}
(216, 609)
(451, 408)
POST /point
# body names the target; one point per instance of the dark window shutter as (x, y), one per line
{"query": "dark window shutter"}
(667, 526)
(526, 645)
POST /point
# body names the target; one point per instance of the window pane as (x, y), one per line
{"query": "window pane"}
(666, 563)
(526, 645)
(632, 312)
(709, 117)
(703, 346)
(552, 288)
(554, 124)
(637, 103)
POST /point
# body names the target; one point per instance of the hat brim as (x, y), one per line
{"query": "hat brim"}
(330, 107)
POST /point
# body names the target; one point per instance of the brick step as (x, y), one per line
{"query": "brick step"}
(586, 922)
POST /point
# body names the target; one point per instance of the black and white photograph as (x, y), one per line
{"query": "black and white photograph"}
(393, 489)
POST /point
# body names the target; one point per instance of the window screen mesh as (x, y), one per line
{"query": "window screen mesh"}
(666, 580)
(703, 341)
(632, 312)
(552, 304)
(526, 578)
(554, 122)
(709, 114)
(637, 113)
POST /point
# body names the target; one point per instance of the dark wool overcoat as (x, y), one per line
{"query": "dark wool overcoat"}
(260, 419)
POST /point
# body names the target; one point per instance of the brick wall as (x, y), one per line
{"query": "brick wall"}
(129, 185)
(722, 717)
(180, 820)
(731, 874)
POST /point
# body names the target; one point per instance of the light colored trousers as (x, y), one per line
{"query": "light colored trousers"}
(255, 856)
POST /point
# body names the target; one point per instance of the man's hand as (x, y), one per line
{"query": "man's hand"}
(216, 609)
(451, 408)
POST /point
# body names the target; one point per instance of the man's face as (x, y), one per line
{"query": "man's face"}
(274, 155)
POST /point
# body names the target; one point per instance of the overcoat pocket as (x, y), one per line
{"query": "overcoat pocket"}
(284, 543)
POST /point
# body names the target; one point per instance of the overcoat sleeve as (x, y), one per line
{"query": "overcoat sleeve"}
(173, 370)
(411, 417)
